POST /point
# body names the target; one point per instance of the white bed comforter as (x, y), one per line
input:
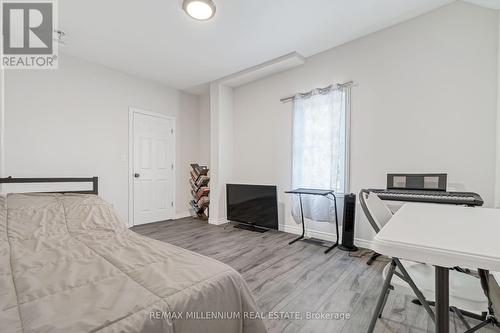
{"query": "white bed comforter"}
(68, 264)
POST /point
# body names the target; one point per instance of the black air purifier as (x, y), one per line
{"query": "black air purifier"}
(348, 223)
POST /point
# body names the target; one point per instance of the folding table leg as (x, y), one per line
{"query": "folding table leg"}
(303, 224)
(442, 300)
(336, 226)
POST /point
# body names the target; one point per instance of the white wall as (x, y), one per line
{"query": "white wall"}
(221, 148)
(74, 122)
(187, 147)
(425, 101)
(497, 180)
(2, 123)
(2, 114)
(204, 107)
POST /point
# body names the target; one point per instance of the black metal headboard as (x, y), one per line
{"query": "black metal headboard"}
(93, 180)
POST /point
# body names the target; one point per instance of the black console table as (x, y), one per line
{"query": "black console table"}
(325, 193)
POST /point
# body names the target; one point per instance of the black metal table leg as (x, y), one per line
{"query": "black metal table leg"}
(442, 299)
(302, 219)
(336, 226)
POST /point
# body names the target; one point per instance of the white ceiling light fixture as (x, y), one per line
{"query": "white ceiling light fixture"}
(201, 10)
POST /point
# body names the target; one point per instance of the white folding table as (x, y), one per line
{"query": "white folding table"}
(443, 236)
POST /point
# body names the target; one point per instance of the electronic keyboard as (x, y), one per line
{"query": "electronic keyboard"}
(441, 197)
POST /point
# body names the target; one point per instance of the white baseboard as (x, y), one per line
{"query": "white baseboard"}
(327, 236)
(217, 221)
(364, 243)
(182, 215)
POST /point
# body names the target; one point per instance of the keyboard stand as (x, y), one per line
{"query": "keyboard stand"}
(373, 257)
(325, 193)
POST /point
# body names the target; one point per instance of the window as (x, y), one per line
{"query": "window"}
(319, 148)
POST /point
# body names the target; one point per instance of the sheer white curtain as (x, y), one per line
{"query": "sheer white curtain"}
(319, 149)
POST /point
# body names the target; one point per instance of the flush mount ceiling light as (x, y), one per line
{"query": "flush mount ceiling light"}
(199, 9)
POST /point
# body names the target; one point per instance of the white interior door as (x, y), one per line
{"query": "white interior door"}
(153, 168)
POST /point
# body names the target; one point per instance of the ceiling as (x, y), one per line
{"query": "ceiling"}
(155, 39)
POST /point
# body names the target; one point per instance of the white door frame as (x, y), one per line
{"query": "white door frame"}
(131, 112)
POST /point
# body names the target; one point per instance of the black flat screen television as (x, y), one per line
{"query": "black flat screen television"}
(253, 205)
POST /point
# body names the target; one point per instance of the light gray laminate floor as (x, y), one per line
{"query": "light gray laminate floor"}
(300, 278)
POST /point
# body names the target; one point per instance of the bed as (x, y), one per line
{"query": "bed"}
(69, 264)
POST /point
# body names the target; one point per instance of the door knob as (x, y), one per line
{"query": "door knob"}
(136, 175)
